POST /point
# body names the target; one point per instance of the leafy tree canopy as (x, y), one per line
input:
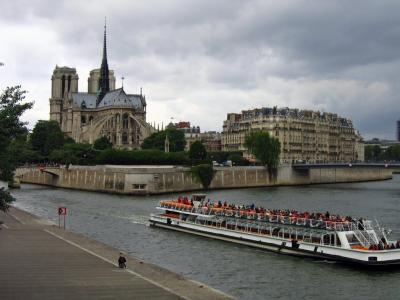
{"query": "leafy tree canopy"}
(12, 106)
(264, 147)
(5, 199)
(203, 173)
(46, 137)
(197, 151)
(376, 153)
(238, 160)
(76, 154)
(156, 141)
(102, 143)
(222, 156)
(21, 150)
(141, 157)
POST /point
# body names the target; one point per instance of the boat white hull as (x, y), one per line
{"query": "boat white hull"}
(281, 245)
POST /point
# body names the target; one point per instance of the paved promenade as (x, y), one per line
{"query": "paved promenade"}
(40, 261)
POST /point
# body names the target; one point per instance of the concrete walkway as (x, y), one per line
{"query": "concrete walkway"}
(40, 261)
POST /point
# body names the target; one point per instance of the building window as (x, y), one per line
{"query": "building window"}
(125, 121)
(139, 186)
(83, 120)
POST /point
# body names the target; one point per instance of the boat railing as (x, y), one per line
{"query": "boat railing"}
(267, 217)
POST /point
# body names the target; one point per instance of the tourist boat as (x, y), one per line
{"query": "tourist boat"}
(319, 236)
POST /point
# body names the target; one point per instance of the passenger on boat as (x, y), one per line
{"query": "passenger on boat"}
(381, 246)
(360, 224)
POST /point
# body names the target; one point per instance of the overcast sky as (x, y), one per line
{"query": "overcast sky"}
(199, 60)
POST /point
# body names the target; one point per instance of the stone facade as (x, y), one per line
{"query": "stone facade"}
(102, 111)
(304, 135)
(210, 139)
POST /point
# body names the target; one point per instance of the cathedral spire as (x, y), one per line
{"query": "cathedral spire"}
(104, 84)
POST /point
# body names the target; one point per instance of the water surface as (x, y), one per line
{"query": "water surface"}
(246, 273)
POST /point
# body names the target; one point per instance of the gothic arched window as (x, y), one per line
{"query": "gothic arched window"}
(125, 120)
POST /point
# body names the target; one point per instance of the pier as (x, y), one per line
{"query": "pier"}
(40, 261)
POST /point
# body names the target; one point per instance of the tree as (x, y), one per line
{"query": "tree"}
(102, 143)
(12, 106)
(5, 199)
(156, 141)
(76, 153)
(46, 137)
(392, 153)
(203, 173)
(264, 147)
(238, 160)
(197, 151)
(373, 153)
(21, 150)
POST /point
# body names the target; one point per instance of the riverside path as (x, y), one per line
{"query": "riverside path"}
(40, 261)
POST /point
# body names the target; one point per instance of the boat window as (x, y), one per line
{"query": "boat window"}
(352, 239)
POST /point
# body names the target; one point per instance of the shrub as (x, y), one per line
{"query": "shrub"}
(141, 157)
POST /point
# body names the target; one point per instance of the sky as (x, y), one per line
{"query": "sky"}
(199, 60)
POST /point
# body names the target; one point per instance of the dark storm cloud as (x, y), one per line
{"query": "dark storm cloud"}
(213, 57)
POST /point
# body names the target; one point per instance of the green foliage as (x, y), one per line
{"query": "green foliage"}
(76, 154)
(21, 150)
(372, 152)
(264, 147)
(11, 109)
(222, 156)
(197, 151)
(12, 106)
(203, 173)
(392, 153)
(156, 141)
(5, 200)
(46, 137)
(102, 143)
(141, 157)
(238, 160)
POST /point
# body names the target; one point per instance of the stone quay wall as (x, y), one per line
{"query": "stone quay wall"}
(142, 180)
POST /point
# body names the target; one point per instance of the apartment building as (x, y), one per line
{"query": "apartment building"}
(304, 135)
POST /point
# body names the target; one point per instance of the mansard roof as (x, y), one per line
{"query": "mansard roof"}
(116, 97)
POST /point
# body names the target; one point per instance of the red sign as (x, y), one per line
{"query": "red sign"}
(62, 211)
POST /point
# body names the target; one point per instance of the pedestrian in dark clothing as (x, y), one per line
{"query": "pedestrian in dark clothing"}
(122, 261)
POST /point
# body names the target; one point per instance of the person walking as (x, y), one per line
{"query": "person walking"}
(121, 261)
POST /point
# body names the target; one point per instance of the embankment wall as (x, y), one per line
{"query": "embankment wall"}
(167, 179)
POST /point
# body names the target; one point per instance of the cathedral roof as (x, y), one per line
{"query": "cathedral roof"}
(116, 97)
(84, 99)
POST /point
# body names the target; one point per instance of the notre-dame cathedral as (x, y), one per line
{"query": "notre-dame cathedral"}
(102, 111)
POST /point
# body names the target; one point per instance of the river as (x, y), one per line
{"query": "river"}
(245, 273)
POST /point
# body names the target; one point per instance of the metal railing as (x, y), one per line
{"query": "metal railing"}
(266, 217)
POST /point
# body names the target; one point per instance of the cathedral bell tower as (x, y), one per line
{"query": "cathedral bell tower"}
(64, 80)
